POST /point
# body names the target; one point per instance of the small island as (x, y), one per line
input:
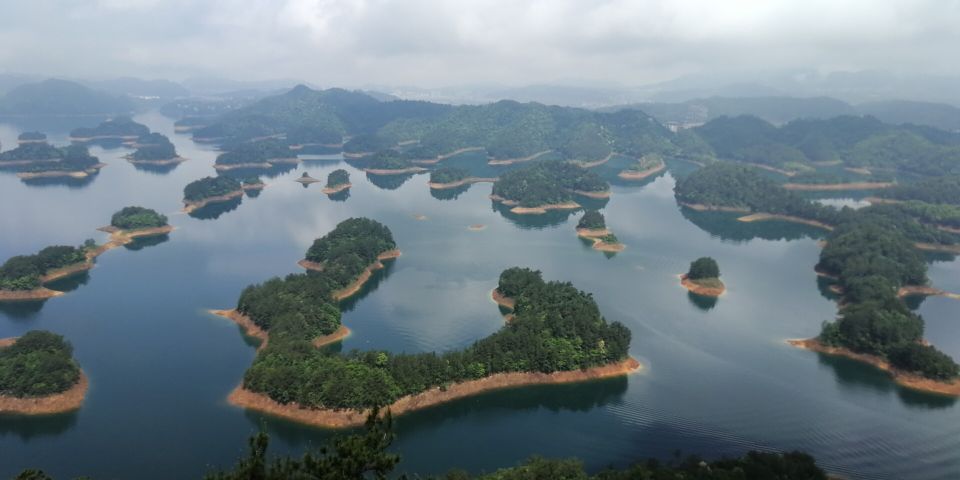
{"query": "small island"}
(337, 181)
(556, 335)
(592, 226)
(31, 137)
(42, 160)
(703, 278)
(453, 177)
(390, 162)
(155, 149)
(38, 375)
(208, 190)
(306, 179)
(118, 129)
(547, 185)
(134, 222)
(647, 166)
(262, 154)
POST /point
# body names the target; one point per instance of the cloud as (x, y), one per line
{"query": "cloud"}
(432, 42)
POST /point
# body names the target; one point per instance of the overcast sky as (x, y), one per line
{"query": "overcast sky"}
(435, 43)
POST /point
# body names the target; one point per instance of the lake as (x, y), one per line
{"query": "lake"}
(718, 378)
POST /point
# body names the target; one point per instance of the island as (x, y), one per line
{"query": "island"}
(703, 278)
(592, 226)
(262, 154)
(38, 375)
(31, 137)
(22, 277)
(122, 129)
(337, 181)
(547, 185)
(872, 261)
(647, 166)
(306, 179)
(41, 160)
(557, 335)
(135, 222)
(208, 190)
(453, 177)
(390, 162)
(155, 149)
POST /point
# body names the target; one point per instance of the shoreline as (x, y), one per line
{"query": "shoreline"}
(503, 300)
(596, 236)
(592, 163)
(642, 174)
(702, 207)
(190, 206)
(786, 173)
(337, 188)
(538, 210)
(936, 247)
(444, 156)
(125, 138)
(694, 287)
(306, 180)
(167, 161)
(329, 418)
(900, 377)
(63, 402)
(79, 174)
(253, 330)
(598, 195)
(511, 161)
(401, 171)
(41, 293)
(820, 187)
(593, 232)
(358, 283)
(760, 217)
(460, 183)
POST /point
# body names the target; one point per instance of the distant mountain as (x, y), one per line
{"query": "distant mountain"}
(61, 97)
(946, 117)
(144, 89)
(776, 110)
(219, 86)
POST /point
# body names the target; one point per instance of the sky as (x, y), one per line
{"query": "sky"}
(431, 43)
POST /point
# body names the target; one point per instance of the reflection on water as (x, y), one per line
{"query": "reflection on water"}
(852, 374)
(703, 302)
(69, 182)
(449, 193)
(340, 196)
(156, 169)
(29, 428)
(25, 310)
(376, 278)
(145, 242)
(725, 226)
(213, 211)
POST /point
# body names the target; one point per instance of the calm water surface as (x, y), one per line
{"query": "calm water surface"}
(718, 377)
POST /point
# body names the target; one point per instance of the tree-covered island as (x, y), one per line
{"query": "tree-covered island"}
(547, 185)
(260, 154)
(337, 181)
(155, 149)
(22, 277)
(703, 278)
(592, 226)
(38, 375)
(207, 190)
(119, 128)
(40, 159)
(453, 177)
(645, 167)
(557, 335)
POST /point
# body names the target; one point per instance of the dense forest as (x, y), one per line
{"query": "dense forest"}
(547, 182)
(255, 152)
(387, 160)
(703, 268)
(154, 146)
(556, 327)
(937, 190)
(366, 454)
(338, 177)
(448, 174)
(210, 187)
(134, 218)
(116, 127)
(38, 364)
(592, 220)
(24, 272)
(41, 156)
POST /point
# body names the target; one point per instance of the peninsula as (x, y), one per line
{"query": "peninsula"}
(38, 375)
(647, 166)
(208, 190)
(390, 162)
(546, 185)
(453, 177)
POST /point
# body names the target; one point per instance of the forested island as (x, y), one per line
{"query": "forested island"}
(390, 162)
(208, 190)
(703, 278)
(155, 149)
(22, 277)
(593, 227)
(557, 335)
(452, 177)
(119, 128)
(645, 167)
(337, 181)
(547, 185)
(134, 222)
(256, 154)
(39, 376)
(31, 137)
(42, 160)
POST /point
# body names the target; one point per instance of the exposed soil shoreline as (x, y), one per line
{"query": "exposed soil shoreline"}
(329, 418)
(357, 284)
(161, 162)
(66, 401)
(599, 195)
(253, 330)
(41, 293)
(390, 171)
(503, 300)
(596, 236)
(337, 188)
(642, 174)
(592, 163)
(190, 206)
(511, 161)
(700, 207)
(817, 187)
(538, 210)
(460, 183)
(62, 173)
(694, 287)
(442, 157)
(759, 217)
(902, 378)
(223, 167)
